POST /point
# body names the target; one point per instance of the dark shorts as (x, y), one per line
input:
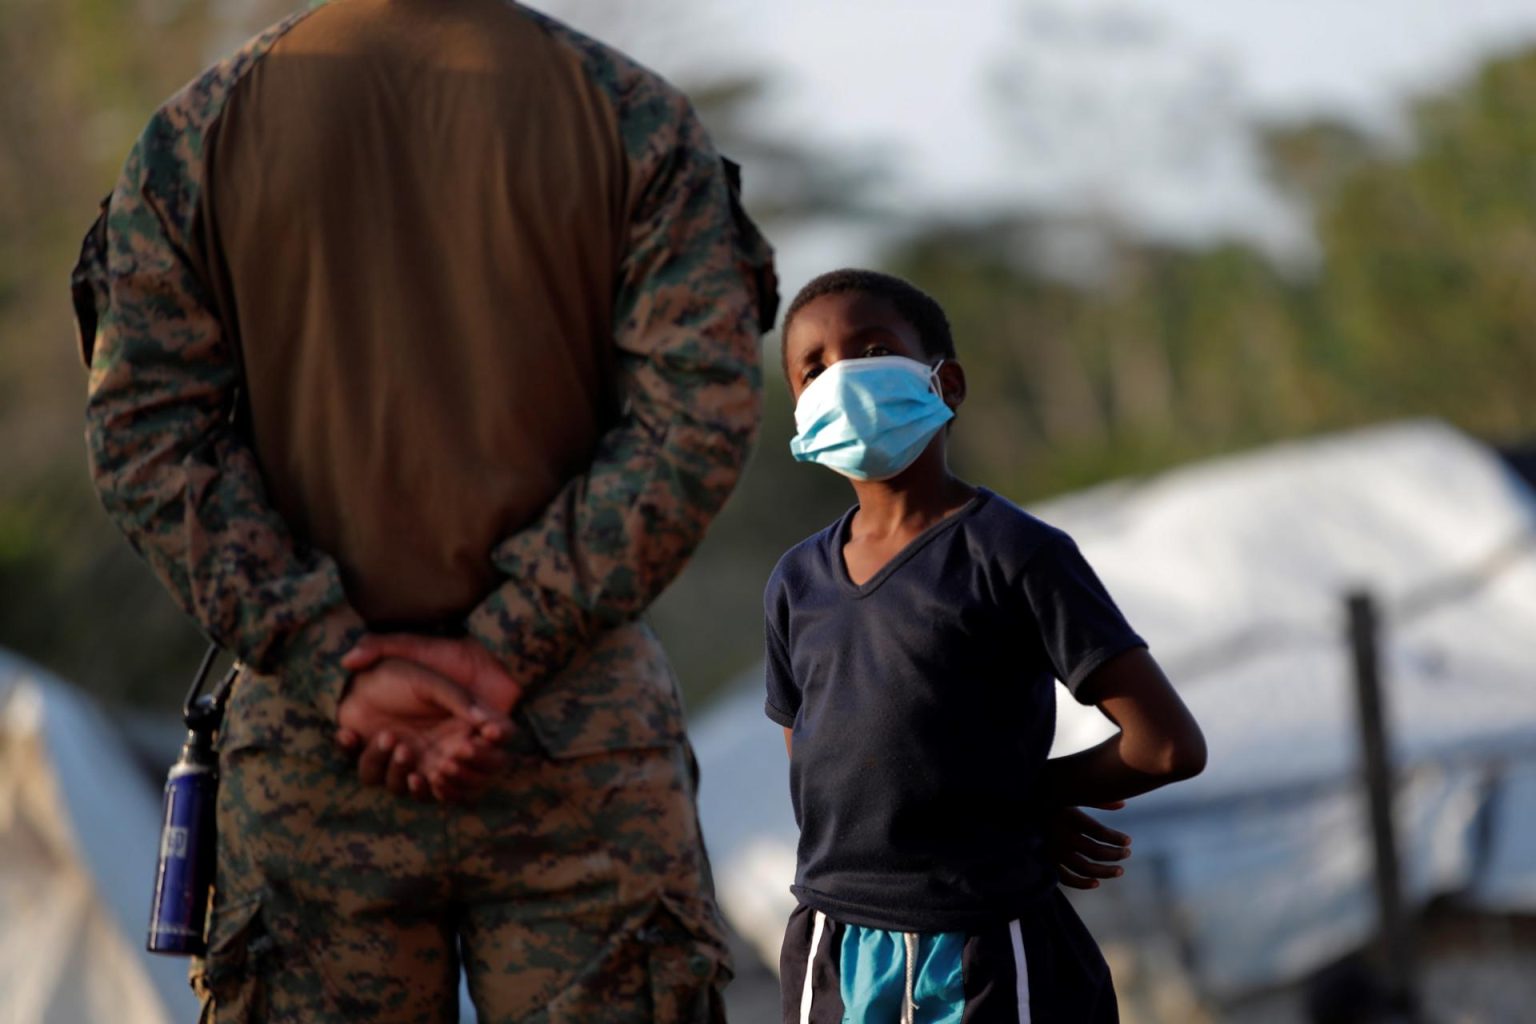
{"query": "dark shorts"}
(1042, 969)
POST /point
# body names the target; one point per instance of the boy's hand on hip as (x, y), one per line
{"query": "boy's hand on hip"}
(1083, 849)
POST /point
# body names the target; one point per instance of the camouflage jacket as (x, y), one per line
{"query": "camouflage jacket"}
(186, 485)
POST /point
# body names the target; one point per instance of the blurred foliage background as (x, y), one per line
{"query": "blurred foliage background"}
(1420, 299)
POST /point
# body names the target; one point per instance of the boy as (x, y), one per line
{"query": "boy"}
(911, 648)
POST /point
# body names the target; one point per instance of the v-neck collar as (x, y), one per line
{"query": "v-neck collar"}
(913, 546)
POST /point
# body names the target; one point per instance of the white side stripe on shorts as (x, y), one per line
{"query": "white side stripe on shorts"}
(810, 964)
(1020, 971)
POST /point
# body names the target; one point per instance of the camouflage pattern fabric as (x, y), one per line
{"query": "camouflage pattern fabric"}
(575, 893)
(185, 487)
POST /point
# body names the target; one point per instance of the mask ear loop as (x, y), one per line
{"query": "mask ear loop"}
(934, 383)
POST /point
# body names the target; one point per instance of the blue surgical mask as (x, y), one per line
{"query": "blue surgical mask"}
(870, 418)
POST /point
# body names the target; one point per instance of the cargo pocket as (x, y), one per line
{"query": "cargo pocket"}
(231, 979)
(688, 963)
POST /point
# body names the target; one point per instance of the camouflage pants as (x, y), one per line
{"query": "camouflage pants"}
(575, 892)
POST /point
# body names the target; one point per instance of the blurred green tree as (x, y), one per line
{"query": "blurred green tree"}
(1421, 302)
(1430, 270)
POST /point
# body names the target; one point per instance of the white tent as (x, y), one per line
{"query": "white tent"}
(79, 831)
(1235, 571)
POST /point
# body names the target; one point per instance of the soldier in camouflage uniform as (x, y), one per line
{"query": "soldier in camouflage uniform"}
(434, 319)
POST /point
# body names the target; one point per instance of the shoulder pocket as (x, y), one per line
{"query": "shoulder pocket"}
(754, 256)
(88, 283)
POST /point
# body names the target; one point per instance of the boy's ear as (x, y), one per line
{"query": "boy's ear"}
(952, 383)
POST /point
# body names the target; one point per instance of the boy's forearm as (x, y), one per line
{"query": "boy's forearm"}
(1158, 741)
(1103, 774)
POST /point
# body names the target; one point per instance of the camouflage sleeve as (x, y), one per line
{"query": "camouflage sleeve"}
(172, 471)
(687, 315)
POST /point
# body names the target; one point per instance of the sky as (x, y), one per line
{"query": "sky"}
(1138, 114)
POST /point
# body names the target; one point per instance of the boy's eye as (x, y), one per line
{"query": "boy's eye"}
(876, 350)
(811, 373)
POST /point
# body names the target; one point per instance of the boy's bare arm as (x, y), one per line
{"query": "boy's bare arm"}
(789, 740)
(1158, 742)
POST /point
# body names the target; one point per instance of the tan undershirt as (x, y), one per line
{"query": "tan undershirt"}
(418, 212)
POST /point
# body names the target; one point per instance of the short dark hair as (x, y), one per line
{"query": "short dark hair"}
(914, 305)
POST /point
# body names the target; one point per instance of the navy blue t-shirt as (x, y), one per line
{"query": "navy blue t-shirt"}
(923, 708)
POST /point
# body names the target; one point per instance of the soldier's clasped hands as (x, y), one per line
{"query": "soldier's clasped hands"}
(427, 716)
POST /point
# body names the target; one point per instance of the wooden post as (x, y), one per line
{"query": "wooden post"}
(1394, 923)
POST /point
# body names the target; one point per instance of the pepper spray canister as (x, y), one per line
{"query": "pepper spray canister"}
(184, 874)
